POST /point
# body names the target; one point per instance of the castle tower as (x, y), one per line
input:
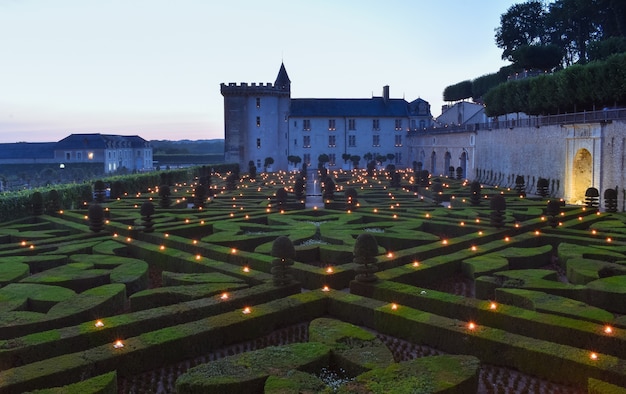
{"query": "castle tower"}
(255, 121)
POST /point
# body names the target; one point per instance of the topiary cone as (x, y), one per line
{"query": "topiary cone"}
(284, 251)
(365, 251)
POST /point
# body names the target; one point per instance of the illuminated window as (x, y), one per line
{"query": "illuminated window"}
(376, 140)
(306, 143)
(398, 140)
(331, 124)
(331, 141)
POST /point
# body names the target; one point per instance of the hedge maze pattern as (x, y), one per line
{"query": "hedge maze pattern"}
(531, 303)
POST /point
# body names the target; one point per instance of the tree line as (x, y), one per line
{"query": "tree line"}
(540, 38)
(578, 88)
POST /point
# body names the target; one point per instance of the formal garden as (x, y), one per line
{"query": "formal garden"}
(209, 281)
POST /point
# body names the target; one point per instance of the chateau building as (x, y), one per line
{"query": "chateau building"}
(113, 152)
(262, 120)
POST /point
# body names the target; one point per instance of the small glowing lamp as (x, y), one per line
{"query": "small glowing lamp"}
(99, 323)
(593, 356)
(246, 269)
(118, 344)
(329, 270)
(246, 310)
(325, 288)
(608, 329)
(394, 307)
(493, 306)
(224, 296)
(471, 326)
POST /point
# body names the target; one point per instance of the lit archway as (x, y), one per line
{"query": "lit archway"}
(582, 175)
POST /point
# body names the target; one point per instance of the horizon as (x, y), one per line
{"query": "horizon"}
(154, 70)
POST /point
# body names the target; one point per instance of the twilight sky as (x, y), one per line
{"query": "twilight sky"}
(154, 67)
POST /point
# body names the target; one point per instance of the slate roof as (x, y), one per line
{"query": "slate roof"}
(27, 150)
(282, 80)
(97, 141)
(373, 107)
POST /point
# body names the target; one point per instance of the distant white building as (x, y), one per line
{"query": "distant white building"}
(114, 152)
(262, 120)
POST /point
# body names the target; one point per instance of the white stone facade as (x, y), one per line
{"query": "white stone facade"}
(262, 120)
(573, 157)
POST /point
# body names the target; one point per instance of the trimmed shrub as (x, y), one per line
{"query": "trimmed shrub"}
(37, 203)
(365, 251)
(498, 207)
(284, 253)
(592, 195)
(610, 200)
(96, 218)
(146, 211)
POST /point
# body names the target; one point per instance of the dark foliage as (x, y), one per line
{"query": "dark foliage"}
(610, 200)
(498, 208)
(365, 251)
(592, 197)
(542, 187)
(96, 218)
(146, 211)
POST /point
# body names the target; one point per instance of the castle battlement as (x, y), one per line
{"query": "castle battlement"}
(245, 84)
(244, 88)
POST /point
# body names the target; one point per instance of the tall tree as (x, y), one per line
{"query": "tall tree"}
(573, 24)
(522, 24)
(612, 16)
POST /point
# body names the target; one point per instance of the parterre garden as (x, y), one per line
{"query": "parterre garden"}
(388, 291)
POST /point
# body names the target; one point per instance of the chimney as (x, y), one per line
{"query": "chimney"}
(386, 92)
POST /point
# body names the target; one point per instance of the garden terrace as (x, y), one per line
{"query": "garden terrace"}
(539, 301)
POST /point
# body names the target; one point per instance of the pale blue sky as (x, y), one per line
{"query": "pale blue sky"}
(154, 67)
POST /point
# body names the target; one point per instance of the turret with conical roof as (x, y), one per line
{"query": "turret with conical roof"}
(282, 80)
(255, 125)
